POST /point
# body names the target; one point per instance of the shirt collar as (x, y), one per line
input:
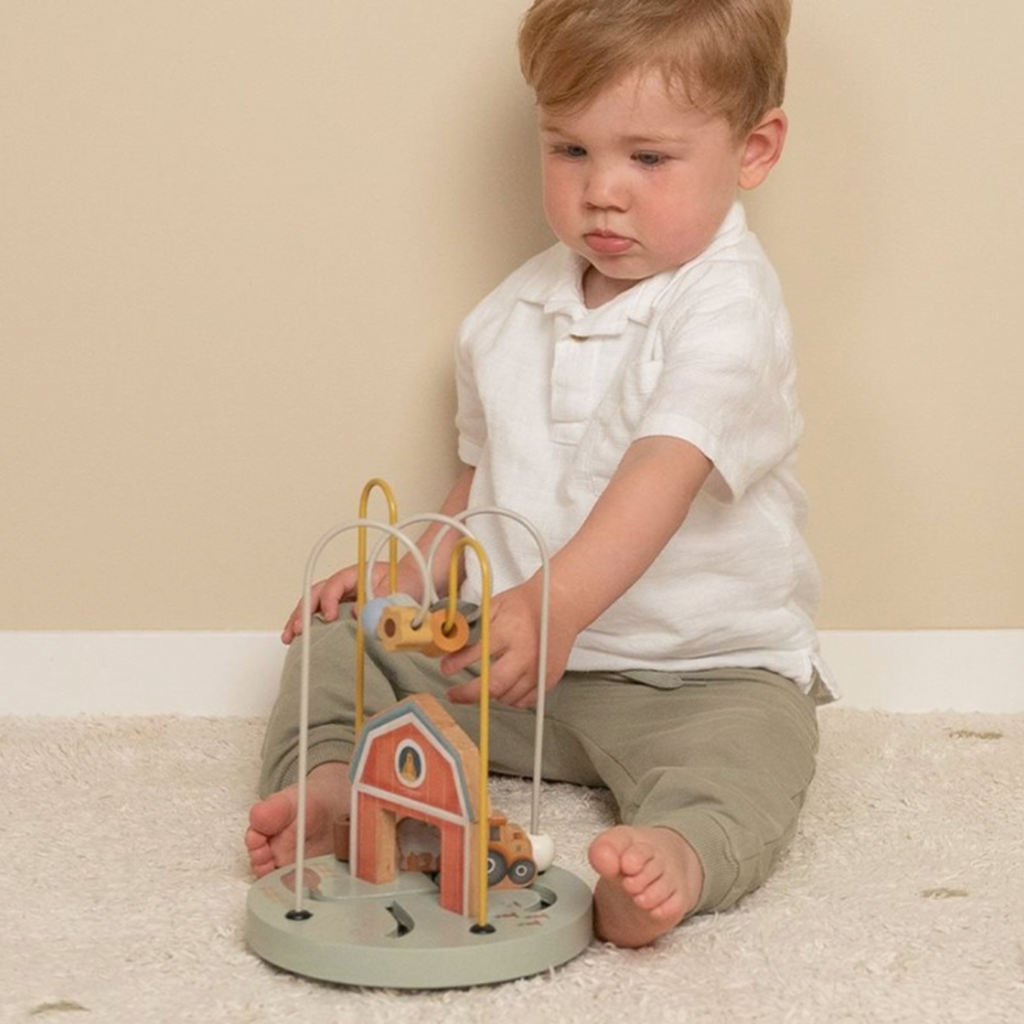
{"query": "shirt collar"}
(557, 286)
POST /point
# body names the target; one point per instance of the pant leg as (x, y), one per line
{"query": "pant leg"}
(724, 758)
(331, 703)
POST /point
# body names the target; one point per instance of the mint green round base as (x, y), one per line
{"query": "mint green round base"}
(397, 936)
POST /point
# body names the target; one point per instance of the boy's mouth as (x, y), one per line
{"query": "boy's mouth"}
(607, 243)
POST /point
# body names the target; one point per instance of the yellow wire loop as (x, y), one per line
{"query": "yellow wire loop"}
(364, 501)
(485, 699)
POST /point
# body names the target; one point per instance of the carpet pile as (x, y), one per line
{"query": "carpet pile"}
(123, 883)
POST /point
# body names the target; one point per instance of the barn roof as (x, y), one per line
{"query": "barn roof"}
(426, 710)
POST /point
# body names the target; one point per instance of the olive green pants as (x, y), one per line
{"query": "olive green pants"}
(723, 757)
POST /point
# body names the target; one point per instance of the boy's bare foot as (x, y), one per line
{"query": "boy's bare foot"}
(271, 836)
(650, 880)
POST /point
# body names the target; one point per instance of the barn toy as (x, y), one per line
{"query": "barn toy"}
(428, 886)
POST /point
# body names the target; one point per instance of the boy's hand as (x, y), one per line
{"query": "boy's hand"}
(328, 595)
(515, 651)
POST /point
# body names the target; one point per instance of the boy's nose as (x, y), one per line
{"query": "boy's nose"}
(603, 190)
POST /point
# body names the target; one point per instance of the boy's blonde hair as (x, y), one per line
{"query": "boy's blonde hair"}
(727, 57)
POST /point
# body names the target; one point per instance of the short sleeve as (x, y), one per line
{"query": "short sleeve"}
(728, 387)
(470, 421)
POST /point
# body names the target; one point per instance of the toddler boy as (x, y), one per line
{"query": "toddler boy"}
(631, 392)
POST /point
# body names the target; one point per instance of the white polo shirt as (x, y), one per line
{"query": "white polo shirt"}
(551, 394)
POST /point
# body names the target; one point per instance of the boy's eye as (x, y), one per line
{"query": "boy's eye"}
(567, 149)
(649, 159)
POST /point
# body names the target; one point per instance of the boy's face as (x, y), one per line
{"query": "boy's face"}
(637, 182)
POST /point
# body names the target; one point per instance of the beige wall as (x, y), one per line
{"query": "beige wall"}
(237, 238)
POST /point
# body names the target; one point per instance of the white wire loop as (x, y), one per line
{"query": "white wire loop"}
(307, 618)
(429, 596)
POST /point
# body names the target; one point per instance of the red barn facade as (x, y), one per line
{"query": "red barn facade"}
(414, 761)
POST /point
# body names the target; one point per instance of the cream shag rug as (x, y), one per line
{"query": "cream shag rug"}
(123, 887)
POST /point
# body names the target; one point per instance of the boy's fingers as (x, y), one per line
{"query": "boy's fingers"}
(507, 684)
(469, 692)
(452, 664)
(465, 693)
(325, 600)
(522, 694)
(526, 697)
(293, 627)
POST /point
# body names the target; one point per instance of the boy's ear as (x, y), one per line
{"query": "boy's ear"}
(762, 148)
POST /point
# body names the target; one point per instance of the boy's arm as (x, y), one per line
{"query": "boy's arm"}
(643, 506)
(456, 501)
(329, 593)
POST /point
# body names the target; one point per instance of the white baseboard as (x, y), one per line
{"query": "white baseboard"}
(928, 670)
(54, 673)
(138, 673)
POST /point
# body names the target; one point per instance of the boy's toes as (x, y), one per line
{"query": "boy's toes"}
(639, 861)
(261, 857)
(652, 893)
(607, 850)
(254, 841)
(261, 868)
(643, 876)
(272, 816)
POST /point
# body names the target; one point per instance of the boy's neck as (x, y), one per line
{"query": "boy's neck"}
(598, 289)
